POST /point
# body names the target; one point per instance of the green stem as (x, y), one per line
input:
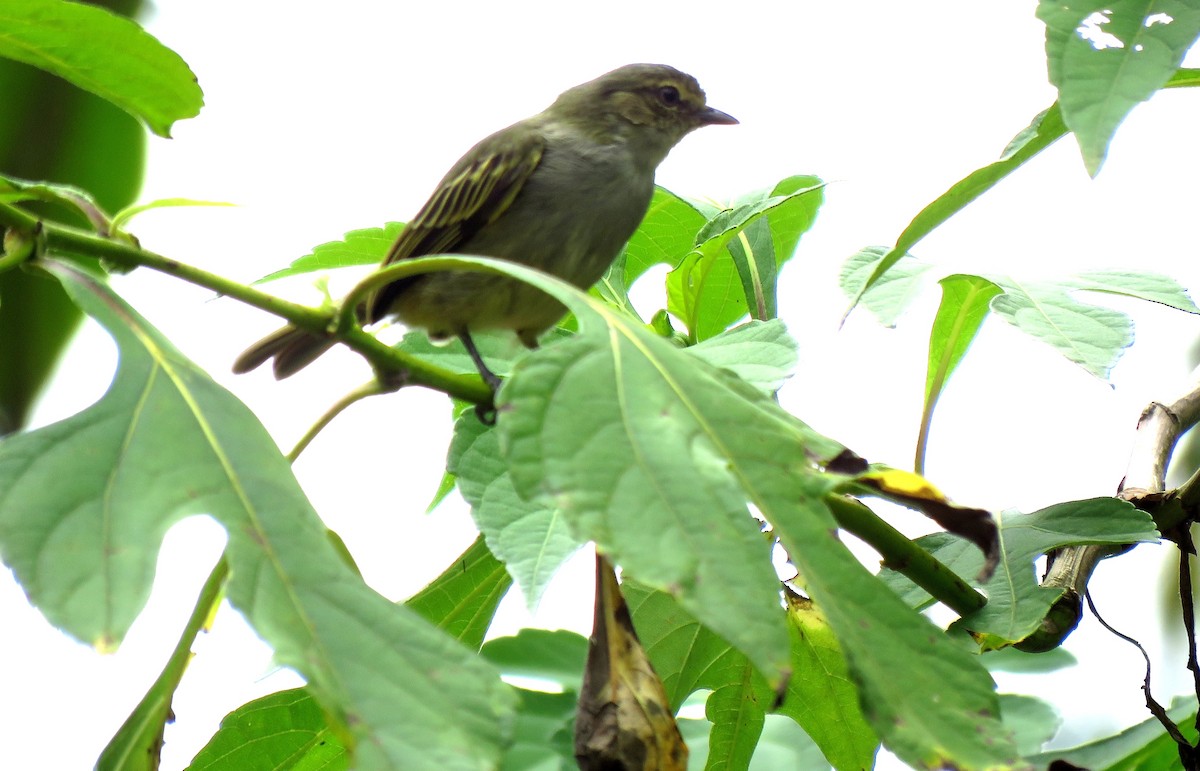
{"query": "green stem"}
(904, 556)
(71, 242)
(373, 388)
(142, 730)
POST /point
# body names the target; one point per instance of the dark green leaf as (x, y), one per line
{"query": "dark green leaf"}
(1105, 57)
(282, 730)
(462, 601)
(105, 54)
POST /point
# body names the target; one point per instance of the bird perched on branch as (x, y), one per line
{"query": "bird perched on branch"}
(561, 191)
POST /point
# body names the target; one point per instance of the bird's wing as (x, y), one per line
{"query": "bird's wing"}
(476, 191)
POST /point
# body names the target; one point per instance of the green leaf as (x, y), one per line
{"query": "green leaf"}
(1019, 661)
(718, 282)
(760, 352)
(765, 244)
(282, 730)
(129, 212)
(1105, 57)
(649, 469)
(105, 54)
(530, 538)
(1016, 603)
(542, 736)
(1143, 747)
(687, 656)
(84, 504)
(51, 130)
(1092, 336)
(1152, 287)
(1047, 127)
(890, 295)
(1032, 721)
(666, 235)
(821, 695)
(964, 306)
(554, 656)
(462, 601)
(358, 247)
(929, 700)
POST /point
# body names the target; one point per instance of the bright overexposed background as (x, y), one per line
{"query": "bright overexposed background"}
(323, 118)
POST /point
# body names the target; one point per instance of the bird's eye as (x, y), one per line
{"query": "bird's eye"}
(669, 95)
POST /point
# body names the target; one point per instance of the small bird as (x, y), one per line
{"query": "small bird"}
(561, 191)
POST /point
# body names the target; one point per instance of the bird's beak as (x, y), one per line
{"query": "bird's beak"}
(710, 116)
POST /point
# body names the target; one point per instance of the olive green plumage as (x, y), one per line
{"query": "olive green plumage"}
(561, 191)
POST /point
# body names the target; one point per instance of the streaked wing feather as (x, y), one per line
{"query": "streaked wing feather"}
(463, 203)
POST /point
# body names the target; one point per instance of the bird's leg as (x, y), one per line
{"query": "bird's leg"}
(485, 412)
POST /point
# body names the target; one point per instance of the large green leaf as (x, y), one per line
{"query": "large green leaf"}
(658, 470)
(84, 504)
(648, 469)
(105, 54)
(1105, 56)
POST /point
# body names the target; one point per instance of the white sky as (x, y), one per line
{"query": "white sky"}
(321, 121)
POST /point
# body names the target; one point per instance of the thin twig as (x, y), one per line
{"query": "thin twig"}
(1155, 708)
(1186, 550)
(374, 388)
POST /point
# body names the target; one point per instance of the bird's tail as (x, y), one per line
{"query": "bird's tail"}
(293, 349)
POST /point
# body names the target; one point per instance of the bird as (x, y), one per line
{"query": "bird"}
(561, 191)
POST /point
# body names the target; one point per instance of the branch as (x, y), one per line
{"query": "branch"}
(65, 241)
(904, 556)
(1158, 429)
